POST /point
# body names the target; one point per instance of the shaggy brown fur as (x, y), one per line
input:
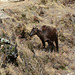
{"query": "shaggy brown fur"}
(46, 34)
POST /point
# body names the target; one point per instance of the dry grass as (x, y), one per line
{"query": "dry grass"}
(28, 14)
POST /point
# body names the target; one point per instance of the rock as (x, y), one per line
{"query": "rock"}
(13, 20)
(65, 55)
(58, 74)
(41, 12)
(56, 66)
(2, 58)
(65, 49)
(37, 19)
(66, 62)
(73, 18)
(66, 34)
(3, 40)
(42, 6)
(3, 14)
(57, 55)
(10, 12)
(72, 66)
(50, 71)
(2, 46)
(66, 2)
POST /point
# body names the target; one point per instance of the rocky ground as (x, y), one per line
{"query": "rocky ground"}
(16, 21)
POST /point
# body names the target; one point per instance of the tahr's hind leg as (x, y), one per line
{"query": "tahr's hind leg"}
(56, 42)
(52, 45)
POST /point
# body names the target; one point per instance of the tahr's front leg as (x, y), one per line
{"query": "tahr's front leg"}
(49, 46)
(52, 45)
(43, 42)
(56, 42)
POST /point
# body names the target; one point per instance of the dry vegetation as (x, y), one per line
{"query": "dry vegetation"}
(20, 18)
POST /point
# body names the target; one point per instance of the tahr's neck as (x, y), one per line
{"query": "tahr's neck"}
(39, 34)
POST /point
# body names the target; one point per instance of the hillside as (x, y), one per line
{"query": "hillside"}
(16, 21)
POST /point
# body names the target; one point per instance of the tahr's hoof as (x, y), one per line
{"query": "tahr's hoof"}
(44, 49)
(49, 51)
(57, 51)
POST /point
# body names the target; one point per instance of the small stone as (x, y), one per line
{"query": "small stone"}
(65, 55)
(58, 74)
(66, 62)
(65, 48)
(51, 71)
(13, 20)
(4, 40)
(72, 66)
(56, 66)
(2, 46)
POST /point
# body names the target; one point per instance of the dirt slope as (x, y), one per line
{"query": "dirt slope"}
(18, 16)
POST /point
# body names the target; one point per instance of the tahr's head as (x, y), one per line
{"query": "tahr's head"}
(34, 31)
(44, 27)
